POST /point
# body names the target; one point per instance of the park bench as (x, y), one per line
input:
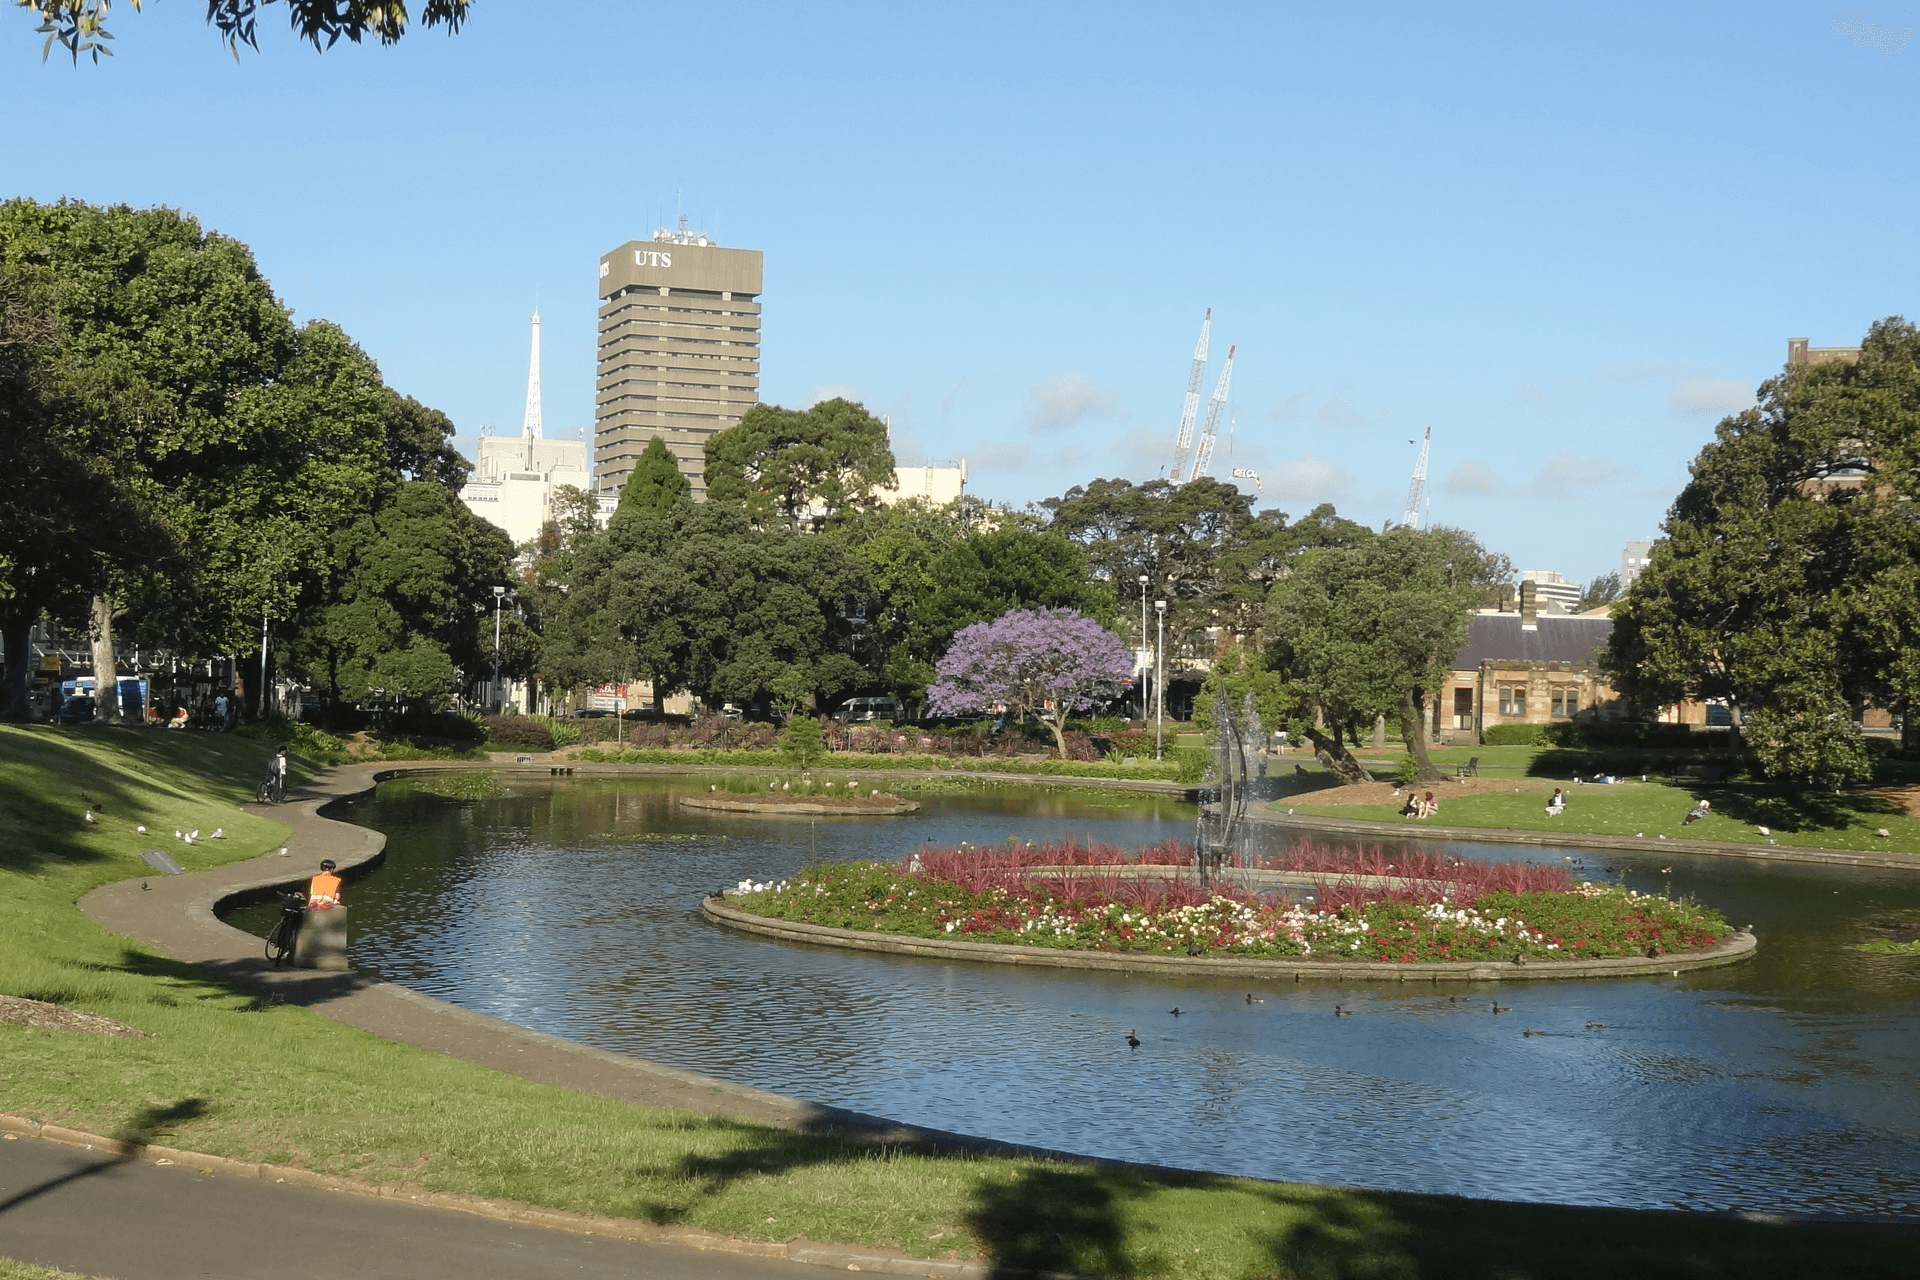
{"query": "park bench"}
(1471, 769)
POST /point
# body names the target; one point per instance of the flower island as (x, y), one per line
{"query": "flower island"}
(1310, 911)
(804, 794)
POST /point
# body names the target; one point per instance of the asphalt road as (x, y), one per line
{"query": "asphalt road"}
(76, 1209)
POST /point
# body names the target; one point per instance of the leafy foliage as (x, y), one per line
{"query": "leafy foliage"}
(802, 742)
(79, 26)
(1027, 659)
(1788, 582)
(1369, 630)
(656, 484)
(791, 465)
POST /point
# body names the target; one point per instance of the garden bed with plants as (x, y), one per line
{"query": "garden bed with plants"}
(802, 794)
(1352, 908)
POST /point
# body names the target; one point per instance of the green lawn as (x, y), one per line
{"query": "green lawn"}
(11, 1270)
(1794, 816)
(227, 1073)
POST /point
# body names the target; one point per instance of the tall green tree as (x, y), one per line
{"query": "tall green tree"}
(1788, 581)
(800, 467)
(935, 570)
(701, 598)
(1371, 630)
(656, 483)
(406, 607)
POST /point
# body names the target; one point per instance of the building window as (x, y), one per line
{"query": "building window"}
(1463, 708)
(1566, 701)
(1513, 700)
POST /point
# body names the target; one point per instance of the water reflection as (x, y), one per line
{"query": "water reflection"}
(1785, 1084)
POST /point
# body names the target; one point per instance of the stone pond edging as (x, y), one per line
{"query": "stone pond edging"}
(1584, 840)
(1734, 948)
(806, 808)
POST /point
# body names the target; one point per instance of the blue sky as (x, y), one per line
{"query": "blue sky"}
(1566, 238)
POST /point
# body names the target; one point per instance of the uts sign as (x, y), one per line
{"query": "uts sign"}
(642, 258)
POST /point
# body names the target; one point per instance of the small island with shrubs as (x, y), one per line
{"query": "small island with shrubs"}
(1310, 905)
(804, 794)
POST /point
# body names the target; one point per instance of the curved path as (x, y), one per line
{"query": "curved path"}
(177, 915)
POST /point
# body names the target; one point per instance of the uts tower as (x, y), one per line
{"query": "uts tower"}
(679, 350)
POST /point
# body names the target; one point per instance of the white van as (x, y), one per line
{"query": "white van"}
(867, 710)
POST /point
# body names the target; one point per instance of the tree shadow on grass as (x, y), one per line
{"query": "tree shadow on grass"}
(1087, 1218)
(1798, 809)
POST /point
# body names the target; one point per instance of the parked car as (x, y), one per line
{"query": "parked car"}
(868, 710)
(77, 709)
(591, 713)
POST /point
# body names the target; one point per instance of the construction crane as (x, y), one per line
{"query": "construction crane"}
(1183, 443)
(1203, 457)
(1417, 491)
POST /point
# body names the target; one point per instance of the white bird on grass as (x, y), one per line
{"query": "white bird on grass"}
(141, 829)
(283, 851)
(219, 833)
(178, 834)
(90, 819)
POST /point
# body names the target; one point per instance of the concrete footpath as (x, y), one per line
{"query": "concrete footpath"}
(89, 1212)
(54, 1201)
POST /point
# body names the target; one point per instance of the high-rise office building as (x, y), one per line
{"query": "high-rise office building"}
(679, 350)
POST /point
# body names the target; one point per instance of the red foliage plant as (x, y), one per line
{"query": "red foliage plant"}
(1343, 877)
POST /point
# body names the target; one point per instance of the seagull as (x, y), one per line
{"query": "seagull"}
(1175, 1011)
(88, 816)
(283, 851)
(189, 836)
(1765, 831)
(1254, 999)
(177, 834)
(1133, 1039)
(141, 829)
(1666, 870)
(219, 833)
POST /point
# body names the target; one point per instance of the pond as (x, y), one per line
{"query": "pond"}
(1786, 1084)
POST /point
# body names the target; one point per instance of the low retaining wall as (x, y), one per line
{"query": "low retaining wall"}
(1735, 947)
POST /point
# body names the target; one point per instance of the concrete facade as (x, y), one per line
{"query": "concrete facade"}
(679, 351)
(514, 479)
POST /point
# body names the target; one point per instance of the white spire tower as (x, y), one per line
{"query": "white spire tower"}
(530, 427)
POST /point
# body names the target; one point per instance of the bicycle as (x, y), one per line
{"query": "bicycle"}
(286, 930)
(273, 789)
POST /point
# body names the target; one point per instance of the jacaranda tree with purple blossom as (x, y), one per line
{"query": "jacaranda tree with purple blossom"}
(1027, 658)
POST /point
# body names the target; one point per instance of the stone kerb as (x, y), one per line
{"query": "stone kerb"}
(1735, 947)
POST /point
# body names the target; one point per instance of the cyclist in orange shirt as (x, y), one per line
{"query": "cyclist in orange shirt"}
(323, 891)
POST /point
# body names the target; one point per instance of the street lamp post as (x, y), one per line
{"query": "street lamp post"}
(1143, 642)
(499, 594)
(1159, 676)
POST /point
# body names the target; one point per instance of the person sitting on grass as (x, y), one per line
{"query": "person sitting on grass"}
(1428, 806)
(1411, 809)
(1696, 813)
(1558, 804)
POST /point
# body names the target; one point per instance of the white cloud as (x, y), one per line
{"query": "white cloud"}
(1068, 398)
(1565, 477)
(1142, 454)
(1338, 411)
(1002, 455)
(830, 392)
(1475, 479)
(1309, 479)
(1712, 395)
